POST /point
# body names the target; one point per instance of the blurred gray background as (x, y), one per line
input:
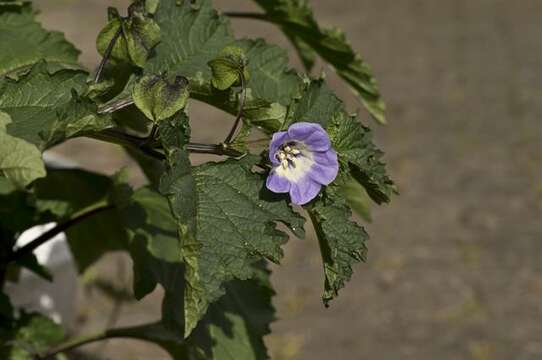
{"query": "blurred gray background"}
(454, 268)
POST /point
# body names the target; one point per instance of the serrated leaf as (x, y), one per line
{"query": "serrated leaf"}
(357, 198)
(352, 140)
(23, 42)
(20, 161)
(226, 220)
(64, 193)
(191, 37)
(296, 19)
(160, 97)
(134, 36)
(234, 326)
(228, 66)
(28, 335)
(155, 250)
(46, 108)
(342, 241)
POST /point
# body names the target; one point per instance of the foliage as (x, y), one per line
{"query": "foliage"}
(203, 233)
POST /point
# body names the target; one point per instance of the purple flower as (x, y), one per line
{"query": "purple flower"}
(303, 161)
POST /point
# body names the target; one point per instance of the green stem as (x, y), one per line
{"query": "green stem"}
(43, 238)
(107, 54)
(240, 111)
(248, 15)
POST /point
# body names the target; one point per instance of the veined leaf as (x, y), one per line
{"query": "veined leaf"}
(350, 138)
(135, 36)
(23, 42)
(226, 221)
(342, 241)
(192, 35)
(235, 325)
(228, 67)
(46, 108)
(297, 21)
(20, 161)
(160, 97)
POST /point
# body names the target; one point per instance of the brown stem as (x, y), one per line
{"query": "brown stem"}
(240, 111)
(43, 238)
(107, 54)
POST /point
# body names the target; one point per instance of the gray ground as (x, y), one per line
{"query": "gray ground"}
(454, 269)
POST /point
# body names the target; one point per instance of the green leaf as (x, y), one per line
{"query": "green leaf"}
(65, 193)
(192, 35)
(6, 309)
(353, 142)
(27, 336)
(160, 97)
(296, 19)
(235, 325)
(226, 221)
(20, 161)
(135, 36)
(342, 241)
(46, 108)
(228, 67)
(357, 198)
(23, 42)
(156, 251)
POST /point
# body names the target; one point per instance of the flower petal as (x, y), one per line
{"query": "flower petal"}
(326, 158)
(278, 139)
(277, 183)
(311, 134)
(323, 174)
(304, 191)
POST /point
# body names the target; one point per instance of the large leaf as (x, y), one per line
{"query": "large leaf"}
(226, 220)
(45, 108)
(352, 140)
(24, 42)
(20, 161)
(65, 193)
(342, 241)
(156, 251)
(296, 19)
(235, 325)
(27, 336)
(192, 34)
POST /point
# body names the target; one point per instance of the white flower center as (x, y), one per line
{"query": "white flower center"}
(295, 161)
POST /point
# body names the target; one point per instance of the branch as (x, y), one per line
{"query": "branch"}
(240, 111)
(148, 332)
(43, 238)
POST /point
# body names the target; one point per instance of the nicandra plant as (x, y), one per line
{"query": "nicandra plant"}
(205, 232)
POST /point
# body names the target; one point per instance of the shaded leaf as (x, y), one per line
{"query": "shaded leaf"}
(64, 193)
(28, 335)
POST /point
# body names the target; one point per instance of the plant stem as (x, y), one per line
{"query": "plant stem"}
(112, 107)
(107, 54)
(43, 238)
(240, 111)
(120, 138)
(248, 15)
